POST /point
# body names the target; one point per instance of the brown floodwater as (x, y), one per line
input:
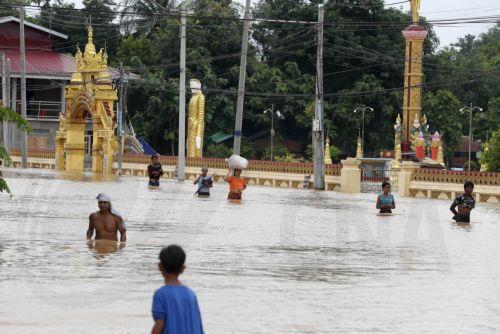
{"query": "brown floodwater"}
(282, 261)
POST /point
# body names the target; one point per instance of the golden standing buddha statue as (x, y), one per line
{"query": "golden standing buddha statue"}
(196, 120)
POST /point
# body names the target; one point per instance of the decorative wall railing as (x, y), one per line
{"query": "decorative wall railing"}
(254, 165)
(44, 154)
(445, 176)
(303, 168)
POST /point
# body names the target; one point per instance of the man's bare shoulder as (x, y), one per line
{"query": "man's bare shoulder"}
(93, 215)
(117, 219)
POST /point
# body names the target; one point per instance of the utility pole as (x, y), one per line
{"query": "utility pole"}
(181, 161)
(120, 122)
(6, 99)
(22, 69)
(470, 133)
(317, 131)
(272, 132)
(241, 84)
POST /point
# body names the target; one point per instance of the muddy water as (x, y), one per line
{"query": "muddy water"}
(282, 261)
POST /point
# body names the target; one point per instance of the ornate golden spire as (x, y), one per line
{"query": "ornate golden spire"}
(90, 47)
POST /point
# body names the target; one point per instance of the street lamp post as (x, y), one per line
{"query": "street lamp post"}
(470, 110)
(279, 115)
(362, 109)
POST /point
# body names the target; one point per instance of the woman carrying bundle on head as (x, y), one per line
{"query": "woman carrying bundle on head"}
(236, 183)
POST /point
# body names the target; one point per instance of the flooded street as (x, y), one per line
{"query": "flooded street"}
(282, 261)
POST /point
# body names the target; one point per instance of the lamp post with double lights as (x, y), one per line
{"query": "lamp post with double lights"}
(470, 110)
(280, 116)
(362, 109)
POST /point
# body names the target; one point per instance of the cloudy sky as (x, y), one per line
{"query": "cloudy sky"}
(449, 9)
(443, 9)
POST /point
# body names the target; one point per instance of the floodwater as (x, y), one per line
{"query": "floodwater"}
(282, 261)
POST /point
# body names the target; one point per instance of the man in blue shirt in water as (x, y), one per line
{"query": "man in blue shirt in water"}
(175, 307)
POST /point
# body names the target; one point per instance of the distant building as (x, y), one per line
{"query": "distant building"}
(461, 154)
(47, 73)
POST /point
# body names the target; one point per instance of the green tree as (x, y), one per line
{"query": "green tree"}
(363, 65)
(490, 157)
(154, 54)
(8, 115)
(469, 69)
(442, 110)
(63, 17)
(10, 7)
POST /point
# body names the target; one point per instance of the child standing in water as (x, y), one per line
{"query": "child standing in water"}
(204, 183)
(175, 306)
(385, 201)
(236, 184)
(465, 204)
(155, 172)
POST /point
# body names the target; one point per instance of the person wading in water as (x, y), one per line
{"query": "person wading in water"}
(106, 222)
(155, 172)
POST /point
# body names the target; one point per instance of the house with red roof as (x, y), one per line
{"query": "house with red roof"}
(47, 74)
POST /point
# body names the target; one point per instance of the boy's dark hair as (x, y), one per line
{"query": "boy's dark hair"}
(154, 156)
(468, 184)
(172, 259)
(385, 183)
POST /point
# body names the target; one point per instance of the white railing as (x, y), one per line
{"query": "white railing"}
(41, 109)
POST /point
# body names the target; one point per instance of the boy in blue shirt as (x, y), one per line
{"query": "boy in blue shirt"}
(175, 307)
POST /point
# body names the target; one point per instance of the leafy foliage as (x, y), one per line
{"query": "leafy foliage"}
(490, 157)
(363, 65)
(219, 151)
(60, 16)
(8, 115)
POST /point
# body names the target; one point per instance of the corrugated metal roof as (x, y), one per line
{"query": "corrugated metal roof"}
(43, 63)
(32, 25)
(40, 64)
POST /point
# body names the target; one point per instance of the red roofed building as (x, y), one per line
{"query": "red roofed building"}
(47, 72)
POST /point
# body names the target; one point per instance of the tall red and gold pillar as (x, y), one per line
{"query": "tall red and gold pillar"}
(412, 93)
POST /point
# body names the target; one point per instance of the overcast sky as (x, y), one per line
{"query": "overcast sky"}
(446, 9)
(443, 9)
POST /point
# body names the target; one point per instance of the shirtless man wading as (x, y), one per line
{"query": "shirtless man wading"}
(106, 222)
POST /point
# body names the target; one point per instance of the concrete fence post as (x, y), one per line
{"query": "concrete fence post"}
(350, 176)
(407, 168)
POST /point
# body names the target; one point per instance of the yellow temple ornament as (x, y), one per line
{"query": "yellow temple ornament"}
(89, 94)
(196, 120)
(359, 150)
(398, 130)
(440, 157)
(328, 158)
